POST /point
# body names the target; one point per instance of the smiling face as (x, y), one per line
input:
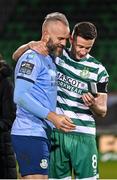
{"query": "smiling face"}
(81, 47)
(57, 33)
(83, 38)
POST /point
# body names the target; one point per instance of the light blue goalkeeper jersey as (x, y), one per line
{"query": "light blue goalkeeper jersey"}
(35, 94)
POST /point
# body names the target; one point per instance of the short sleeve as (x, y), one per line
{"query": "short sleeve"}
(28, 66)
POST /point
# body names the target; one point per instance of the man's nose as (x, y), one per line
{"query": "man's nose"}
(83, 51)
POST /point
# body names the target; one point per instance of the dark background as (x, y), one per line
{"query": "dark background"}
(21, 21)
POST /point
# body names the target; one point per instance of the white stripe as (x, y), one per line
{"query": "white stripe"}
(78, 71)
(88, 56)
(103, 79)
(83, 117)
(90, 64)
(70, 93)
(66, 178)
(89, 178)
(71, 103)
(84, 129)
(69, 178)
(101, 68)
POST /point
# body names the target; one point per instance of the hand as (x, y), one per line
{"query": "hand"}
(88, 99)
(64, 123)
(38, 46)
(61, 122)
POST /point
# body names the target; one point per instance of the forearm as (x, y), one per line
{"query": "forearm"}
(98, 105)
(33, 106)
(98, 110)
(20, 51)
(23, 98)
(61, 121)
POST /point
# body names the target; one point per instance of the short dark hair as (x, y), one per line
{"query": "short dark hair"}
(86, 30)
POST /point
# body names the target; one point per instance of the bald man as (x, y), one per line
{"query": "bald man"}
(35, 95)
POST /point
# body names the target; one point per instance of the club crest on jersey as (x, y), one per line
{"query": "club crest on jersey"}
(44, 164)
(85, 73)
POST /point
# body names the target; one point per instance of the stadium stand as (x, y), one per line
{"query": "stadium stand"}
(21, 22)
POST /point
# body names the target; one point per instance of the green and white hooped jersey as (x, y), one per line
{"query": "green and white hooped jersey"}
(73, 77)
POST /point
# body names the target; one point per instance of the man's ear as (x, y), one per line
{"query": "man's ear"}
(45, 37)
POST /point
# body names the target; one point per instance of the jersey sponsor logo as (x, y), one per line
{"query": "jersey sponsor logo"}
(71, 84)
(69, 87)
(26, 68)
(85, 73)
(44, 164)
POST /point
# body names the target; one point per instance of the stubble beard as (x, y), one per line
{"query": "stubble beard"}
(53, 49)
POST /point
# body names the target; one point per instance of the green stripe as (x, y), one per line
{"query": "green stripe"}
(85, 123)
(71, 88)
(92, 59)
(75, 133)
(76, 65)
(69, 73)
(74, 109)
(102, 74)
(66, 96)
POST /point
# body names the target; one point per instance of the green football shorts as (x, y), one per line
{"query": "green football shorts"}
(73, 154)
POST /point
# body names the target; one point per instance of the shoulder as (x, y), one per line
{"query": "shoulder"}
(31, 55)
(30, 58)
(97, 62)
(93, 59)
(103, 76)
(64, 58)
